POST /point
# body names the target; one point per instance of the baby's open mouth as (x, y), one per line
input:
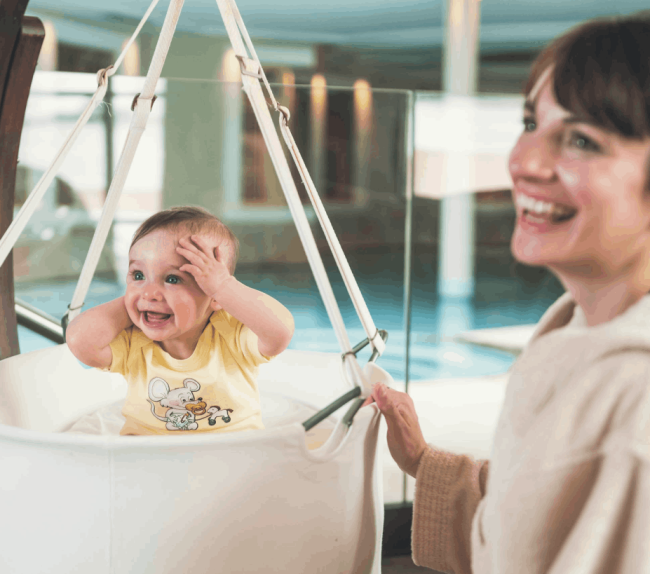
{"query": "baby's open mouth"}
(152, 319)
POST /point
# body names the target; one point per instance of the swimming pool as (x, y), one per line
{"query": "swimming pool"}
(501, 299)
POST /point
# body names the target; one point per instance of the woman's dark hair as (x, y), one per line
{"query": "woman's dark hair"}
(194, 220)
(602, 73)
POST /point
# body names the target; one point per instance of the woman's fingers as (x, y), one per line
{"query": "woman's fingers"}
(405, 439)
(387, 400)
(369, 400)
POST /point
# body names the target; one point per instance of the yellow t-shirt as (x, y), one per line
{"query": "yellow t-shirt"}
(213, 390)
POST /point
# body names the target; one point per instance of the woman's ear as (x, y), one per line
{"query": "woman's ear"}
(214, 305)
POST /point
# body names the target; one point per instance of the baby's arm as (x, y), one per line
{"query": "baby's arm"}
(89, 335)
(267, 318)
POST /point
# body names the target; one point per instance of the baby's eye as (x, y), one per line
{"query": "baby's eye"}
(173, 279)
(137, 275)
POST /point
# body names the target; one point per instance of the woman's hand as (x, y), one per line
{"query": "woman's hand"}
(204, 265)
(405, 439)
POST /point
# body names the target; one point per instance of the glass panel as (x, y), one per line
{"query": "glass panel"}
(202, 146)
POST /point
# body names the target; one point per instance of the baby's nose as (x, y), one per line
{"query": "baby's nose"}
(152, 292)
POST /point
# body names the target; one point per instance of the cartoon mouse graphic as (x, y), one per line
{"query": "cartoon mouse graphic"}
(183, 409)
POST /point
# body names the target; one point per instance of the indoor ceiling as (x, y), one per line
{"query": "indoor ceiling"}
(376, 23)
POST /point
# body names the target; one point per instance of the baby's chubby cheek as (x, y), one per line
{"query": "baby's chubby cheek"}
(182, 311)
(131, 309)
(188, 312)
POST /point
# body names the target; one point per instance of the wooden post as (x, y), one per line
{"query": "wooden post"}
(20, 44)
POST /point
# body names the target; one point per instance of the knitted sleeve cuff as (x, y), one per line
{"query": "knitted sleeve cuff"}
(447, 492)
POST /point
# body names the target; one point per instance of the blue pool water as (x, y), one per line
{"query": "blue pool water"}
(499, 301)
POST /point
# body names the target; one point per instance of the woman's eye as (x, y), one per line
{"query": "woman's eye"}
(173, 279)
(529, 125)
(137, 275)
(581, 141)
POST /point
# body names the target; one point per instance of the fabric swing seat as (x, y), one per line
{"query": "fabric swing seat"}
(251, 501)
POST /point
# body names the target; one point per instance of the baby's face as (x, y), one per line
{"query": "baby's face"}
(163, 301)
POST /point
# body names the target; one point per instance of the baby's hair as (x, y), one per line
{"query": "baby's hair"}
(194, 220)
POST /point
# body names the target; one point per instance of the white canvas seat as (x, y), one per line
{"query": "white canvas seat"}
(254, 501)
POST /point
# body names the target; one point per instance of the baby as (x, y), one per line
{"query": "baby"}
(187, 336)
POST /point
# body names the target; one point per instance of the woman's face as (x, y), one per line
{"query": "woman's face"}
(580, 193)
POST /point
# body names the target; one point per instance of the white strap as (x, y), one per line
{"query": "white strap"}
(253, 89)
(32, 202)
(341, 260)
(250, 79)
(142, 108)
(234, 31)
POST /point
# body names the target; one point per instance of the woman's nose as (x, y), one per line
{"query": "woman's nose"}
(532, 158)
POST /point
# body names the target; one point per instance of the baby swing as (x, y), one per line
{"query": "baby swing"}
(261, 501)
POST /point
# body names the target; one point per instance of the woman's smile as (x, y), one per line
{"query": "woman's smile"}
(544, 210)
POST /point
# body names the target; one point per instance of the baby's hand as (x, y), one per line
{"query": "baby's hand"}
(204, 265)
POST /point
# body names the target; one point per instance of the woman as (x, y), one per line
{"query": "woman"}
(568, 486)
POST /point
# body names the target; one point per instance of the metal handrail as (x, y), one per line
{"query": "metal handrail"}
(38, 321)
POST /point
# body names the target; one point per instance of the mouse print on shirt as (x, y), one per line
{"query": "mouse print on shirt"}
(183, 409)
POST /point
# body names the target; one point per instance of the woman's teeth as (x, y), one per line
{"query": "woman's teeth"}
(540, 210)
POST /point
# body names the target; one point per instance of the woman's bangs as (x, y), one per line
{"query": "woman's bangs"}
(596, 80)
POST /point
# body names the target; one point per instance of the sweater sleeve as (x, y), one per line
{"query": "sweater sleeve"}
(448, 489)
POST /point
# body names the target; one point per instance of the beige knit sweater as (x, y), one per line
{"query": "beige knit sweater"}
(568, 487)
